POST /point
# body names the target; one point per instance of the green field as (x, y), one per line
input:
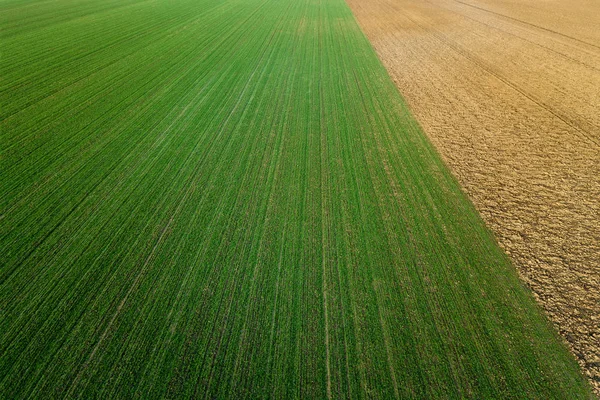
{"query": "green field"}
(230, 199)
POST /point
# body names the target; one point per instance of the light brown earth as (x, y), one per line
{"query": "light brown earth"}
(509, 93)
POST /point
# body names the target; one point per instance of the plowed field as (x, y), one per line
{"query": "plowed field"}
(509, 93)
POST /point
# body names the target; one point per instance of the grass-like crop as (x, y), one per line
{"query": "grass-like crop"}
(229, 198)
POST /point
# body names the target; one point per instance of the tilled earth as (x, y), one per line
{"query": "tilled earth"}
(509, 93)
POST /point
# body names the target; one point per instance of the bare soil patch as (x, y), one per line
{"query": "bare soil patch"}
(509, 93)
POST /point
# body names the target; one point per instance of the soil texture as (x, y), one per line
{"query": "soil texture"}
(509, 93)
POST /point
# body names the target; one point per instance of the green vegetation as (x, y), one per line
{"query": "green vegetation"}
(230, 199)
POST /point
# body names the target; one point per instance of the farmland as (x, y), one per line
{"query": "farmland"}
(509, 93)
(230, 199)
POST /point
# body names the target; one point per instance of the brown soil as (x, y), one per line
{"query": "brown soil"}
(509, 93)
